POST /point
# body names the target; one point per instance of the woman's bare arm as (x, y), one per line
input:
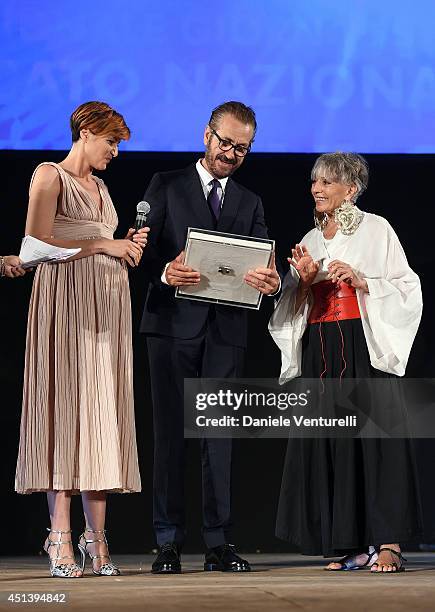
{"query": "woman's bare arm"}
(43, 198)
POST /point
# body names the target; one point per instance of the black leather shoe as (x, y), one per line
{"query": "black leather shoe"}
(224, 559)
(168, 560)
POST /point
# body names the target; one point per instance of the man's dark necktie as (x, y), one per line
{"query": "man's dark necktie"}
(214, 200)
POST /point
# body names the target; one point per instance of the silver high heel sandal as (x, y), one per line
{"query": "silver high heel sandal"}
(107, 569)
(63, 570)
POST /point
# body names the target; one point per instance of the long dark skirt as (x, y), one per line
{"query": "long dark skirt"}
(342, 495)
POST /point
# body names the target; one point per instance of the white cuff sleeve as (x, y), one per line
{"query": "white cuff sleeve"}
(277, 291)
(163, 276)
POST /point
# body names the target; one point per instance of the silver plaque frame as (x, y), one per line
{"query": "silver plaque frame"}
(223, 260)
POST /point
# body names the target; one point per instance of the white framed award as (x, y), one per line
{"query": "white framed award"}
(223, 261)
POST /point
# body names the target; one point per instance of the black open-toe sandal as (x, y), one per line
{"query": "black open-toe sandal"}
(348, 562)
(399, 568)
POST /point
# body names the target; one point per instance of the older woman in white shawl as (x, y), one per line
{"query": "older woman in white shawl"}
(350, 306)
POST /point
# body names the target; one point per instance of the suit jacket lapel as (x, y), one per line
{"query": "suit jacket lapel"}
(230, 207)
(196, 201)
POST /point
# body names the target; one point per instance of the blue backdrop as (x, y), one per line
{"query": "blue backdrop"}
(321, 74)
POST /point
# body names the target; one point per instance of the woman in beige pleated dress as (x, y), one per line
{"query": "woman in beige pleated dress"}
(77, 428)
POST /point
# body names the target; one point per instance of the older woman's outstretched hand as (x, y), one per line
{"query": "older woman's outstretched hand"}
(302, 261)
(340, 272)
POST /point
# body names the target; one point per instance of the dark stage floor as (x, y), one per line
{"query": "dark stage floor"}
(277, 582)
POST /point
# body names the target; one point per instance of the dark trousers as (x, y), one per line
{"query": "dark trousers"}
(172, 360)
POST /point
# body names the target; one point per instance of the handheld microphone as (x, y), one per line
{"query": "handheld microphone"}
(143, 208)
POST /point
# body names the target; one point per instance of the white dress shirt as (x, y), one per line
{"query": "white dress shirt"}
(206, 181)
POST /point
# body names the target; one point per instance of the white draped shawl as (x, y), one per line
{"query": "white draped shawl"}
(390, 312)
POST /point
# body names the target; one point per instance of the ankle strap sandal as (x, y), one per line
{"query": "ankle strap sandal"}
(399, 567)
(61, 570)
(107, 569)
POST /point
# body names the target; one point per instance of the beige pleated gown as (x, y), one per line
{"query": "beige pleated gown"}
(77, 427)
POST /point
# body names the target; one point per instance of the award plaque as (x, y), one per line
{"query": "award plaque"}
(223, 260)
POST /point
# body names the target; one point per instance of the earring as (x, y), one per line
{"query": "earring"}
(348, 217)
(320, 221)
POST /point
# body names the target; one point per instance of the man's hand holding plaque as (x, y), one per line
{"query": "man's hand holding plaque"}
(266, 280)
(179, 275)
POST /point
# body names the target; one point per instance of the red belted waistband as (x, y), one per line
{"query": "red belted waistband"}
(332, 302)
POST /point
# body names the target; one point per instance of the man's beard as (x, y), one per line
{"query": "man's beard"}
(232, 164)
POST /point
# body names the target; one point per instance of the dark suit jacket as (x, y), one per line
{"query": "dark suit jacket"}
(177, 203)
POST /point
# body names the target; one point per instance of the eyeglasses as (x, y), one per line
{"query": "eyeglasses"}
(227, 145)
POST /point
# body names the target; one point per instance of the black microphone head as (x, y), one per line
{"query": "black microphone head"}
(143, 208)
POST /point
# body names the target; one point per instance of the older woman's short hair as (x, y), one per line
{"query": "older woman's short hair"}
(346, 168)
(100, 119)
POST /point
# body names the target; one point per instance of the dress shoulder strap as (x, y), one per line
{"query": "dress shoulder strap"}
(59, 169)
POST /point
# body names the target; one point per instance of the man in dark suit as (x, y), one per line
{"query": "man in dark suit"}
(187, 338)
